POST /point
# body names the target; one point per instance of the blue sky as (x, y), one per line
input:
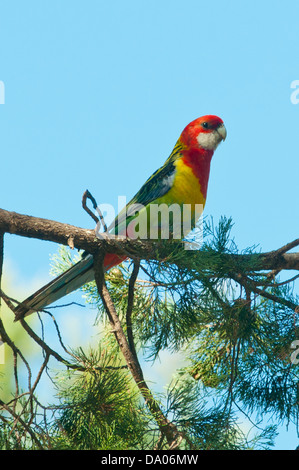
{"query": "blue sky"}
(97, 93)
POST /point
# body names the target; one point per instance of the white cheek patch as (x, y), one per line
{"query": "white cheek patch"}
(209, 140)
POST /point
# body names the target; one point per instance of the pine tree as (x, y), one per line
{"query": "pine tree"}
(233, 326)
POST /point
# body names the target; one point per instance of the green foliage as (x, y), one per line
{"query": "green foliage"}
(236, 345)
(233, 331)
(99, 408)
(210, 425)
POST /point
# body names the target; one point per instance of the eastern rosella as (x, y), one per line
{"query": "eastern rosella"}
(183, 179)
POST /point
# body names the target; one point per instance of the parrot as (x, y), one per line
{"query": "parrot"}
(181, 180)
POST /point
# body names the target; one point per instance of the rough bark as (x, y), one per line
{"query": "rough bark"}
(86, 239)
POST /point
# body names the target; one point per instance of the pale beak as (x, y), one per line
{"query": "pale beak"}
(222, 131)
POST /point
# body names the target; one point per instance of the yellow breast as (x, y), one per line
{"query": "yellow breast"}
(185, 189)
(175, 213)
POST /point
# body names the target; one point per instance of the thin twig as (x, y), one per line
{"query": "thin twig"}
(88, 195)
(23, 423)
(166, 427)
(130, 307)
(43, 345)
(1, 258)
(252, 286)
(268, 282)
(16, 351)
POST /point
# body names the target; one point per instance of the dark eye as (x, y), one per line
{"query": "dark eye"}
(205, 125)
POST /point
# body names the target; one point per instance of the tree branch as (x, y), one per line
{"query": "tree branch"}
(1, 258)
(166, 427)
(85, 239)
(130, 308)
(76, 237)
